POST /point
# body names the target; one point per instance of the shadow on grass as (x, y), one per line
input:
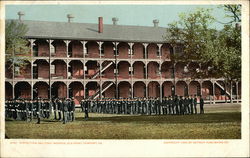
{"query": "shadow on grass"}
(205, 118)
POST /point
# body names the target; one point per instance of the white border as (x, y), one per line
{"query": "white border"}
(134, 148)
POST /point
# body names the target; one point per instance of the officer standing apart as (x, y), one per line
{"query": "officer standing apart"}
(201, 105)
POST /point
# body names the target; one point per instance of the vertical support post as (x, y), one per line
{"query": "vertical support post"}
(100, 68)
(145, 50)
(31, 50)
(116, 67)
(131, 68)
(237, 88)
(31, 94)
(67, 89)
(67, 69)
(13, 90)
(67, 47)
(146, 89)
(160, 91)
(213, 92)
(231, 92)
(50, 49)
(201, 87)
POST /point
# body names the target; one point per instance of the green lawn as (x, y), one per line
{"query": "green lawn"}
(219, 122)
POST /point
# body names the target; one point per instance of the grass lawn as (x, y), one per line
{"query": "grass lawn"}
(220, 121)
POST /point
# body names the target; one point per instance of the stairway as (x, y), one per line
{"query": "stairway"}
(106, 86)
(223, 88)
(106, 64)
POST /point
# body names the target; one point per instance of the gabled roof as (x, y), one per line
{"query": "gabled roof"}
(87, 31)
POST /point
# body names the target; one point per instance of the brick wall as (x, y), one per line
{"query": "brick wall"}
(139, 88)
(109, 72)
(93, 50)
(153, 89)
(77, 49)
(92, 88)
(138, 51)
(138, 70)
(108, 50)
(180, 88)
(153, 68)
(78, 92)
(123, 69)
(42, 90)
(193, 88)
(60, 69)
(123, 50)
(167, 91)
(166, 70)
(207, 89)
(92, 68)
(77, 69)
(60, 49)
(152, 51)
(62, 90)
(165, 51)
(43, 48)
(124, 89)
(110, 92)
(43, 69)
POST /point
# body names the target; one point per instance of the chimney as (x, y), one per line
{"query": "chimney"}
(156, 22)
(100, 26)
(20, 14)
(114, 19)
(70, 16)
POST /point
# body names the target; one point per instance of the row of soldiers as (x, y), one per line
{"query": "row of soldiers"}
(21, 109)
(64, 109)
(146, 106)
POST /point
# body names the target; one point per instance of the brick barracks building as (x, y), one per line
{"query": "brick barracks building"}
(97, 60)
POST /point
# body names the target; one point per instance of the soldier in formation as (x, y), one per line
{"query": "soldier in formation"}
(27, 109)
(171, 105)
(63, 109)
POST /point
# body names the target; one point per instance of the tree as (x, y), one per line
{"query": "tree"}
(17, 51)
(219, 50)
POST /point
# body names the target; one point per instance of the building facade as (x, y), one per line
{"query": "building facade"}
(95, 60)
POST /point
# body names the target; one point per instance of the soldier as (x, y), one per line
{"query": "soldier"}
(55, 108)
(65, 110)
(177, 105)
(195, 103)
(181, 106)
(72, 109)
(60, 109)
(201, 105)
(86, 110)
(191, 103)
(31, 109)
(38, 110)
(185, 102)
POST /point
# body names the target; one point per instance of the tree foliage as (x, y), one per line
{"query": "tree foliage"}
(219, 50)
(16, 50)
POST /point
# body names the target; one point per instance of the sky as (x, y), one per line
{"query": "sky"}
(140, 15)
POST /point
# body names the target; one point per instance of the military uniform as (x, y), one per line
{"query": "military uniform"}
(201, 105)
